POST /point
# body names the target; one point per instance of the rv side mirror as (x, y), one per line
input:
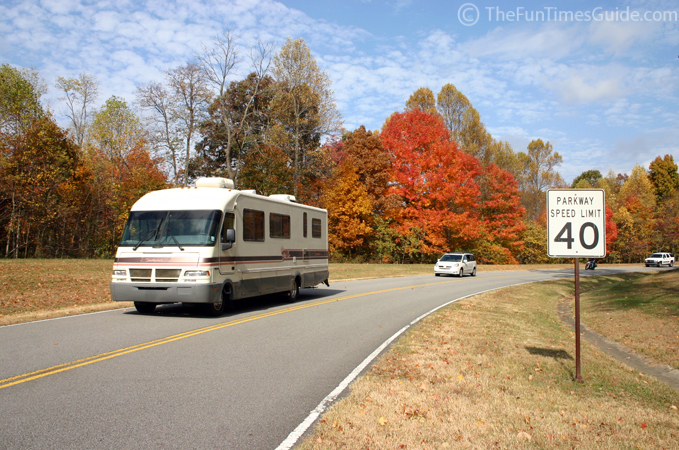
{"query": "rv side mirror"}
(229, 239)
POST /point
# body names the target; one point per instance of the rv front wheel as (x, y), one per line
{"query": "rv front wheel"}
(225, 303)
(215, 309)
(145, 307)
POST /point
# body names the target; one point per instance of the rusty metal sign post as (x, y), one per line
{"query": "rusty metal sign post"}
(578, 375)
(576, 228)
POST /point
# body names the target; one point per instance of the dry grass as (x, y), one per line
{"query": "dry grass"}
(640, 311)
(495, 371)
(34, 289)
(340, 272)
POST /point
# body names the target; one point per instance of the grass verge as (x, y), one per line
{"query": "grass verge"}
(639, 311)
(495, 371)
(35, 289)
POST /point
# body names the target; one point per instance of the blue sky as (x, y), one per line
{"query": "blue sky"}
(600, 81)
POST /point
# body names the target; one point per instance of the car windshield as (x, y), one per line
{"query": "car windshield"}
(451, 258)
(656, 255)
(171, 228)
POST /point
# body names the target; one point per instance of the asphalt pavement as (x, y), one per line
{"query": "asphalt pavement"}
(177, 379)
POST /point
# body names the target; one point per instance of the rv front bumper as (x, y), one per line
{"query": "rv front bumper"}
(166, 292)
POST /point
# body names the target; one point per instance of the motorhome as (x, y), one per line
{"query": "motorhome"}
(214, 245)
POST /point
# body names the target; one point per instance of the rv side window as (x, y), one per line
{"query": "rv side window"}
(279, 226)
(253, 225)
(304, 225)
(316, 228)
(229, 222)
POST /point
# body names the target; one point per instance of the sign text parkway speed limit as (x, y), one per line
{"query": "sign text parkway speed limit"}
(576, 223)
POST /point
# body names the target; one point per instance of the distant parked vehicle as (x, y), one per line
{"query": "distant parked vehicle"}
(456, 264)
(660, 259)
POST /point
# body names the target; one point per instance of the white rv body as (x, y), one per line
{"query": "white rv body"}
(176, 247)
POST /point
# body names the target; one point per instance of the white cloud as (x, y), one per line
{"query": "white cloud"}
(576, 89)
(552, 42)
(556, 80)
(616, 37)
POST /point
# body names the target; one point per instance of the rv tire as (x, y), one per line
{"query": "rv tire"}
(214, 309)
(293, 293)
(225, 303)
(145, 307)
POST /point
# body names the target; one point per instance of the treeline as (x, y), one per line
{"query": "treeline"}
(431, 180)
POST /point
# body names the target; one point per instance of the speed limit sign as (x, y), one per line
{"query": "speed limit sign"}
(576, 223)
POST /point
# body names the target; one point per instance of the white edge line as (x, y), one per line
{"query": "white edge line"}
(64, 317)
(297, 433)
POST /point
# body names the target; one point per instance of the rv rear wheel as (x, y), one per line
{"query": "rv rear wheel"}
(145, 307)
(294, 290)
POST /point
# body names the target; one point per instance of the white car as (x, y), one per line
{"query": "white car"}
(456, 264)
(660, 259)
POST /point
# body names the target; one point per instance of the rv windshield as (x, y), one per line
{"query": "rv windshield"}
(171, 228)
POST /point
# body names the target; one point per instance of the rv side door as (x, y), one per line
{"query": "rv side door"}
(226, 245)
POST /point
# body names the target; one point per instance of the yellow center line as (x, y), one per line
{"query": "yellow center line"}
(19, 379)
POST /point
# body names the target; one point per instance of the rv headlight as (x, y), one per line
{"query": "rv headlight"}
(119, 275)
(193, 276)
(197, 273)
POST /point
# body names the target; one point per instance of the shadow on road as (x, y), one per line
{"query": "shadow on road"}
(248, 305)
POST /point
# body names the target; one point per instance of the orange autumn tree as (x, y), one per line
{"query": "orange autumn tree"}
(356, 197)
(502, 216)
(123, 171)
(349, 211)
(435, 182)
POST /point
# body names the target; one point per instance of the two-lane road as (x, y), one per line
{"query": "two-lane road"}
(176, 379)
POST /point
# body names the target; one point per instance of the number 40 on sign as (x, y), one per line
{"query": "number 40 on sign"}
(576, 223)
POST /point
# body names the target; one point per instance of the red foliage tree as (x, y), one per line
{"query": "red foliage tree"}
(611, 227)
(435, 181)
(502, 216)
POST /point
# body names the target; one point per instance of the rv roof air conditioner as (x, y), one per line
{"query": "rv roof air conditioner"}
(284, 197)
(214, 182)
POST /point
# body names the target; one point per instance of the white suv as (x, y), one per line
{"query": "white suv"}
(456, 264)
(659, 259)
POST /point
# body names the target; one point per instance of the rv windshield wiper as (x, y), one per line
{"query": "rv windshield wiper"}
(175, 241)
(149, 235)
